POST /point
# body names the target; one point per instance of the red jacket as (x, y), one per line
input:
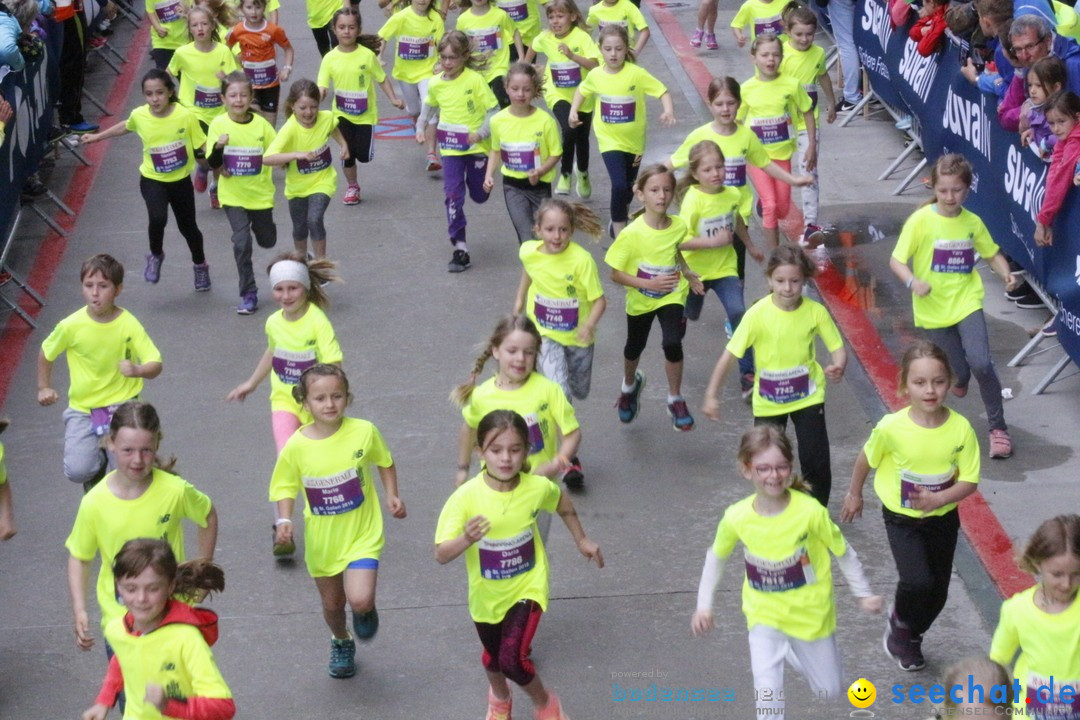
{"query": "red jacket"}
(1059, 178)
(193, 708)
(934, 25)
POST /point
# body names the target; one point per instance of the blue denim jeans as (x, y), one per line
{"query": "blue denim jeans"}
(842, 17)
(730, 291)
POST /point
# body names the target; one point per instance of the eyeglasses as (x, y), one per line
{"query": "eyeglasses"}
(1017, 49)
(768, 469)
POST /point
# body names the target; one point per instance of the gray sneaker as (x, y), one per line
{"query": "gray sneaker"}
(152, 273)
(202, 277)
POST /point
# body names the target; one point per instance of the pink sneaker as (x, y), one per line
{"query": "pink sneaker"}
(1000, 444)
(498, 709)
(553, 711)
(695, 39)
(352, 195)
(200, 179)
(710, 41)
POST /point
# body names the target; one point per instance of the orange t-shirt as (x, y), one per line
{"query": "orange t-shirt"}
(257, 51)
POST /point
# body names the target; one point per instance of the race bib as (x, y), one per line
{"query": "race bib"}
(261, 74)
(1044, 701)
(453, 137)
(600, 25)
(536, 434)
(518, 10)
(169, 10)
(207, 97)
(774, 25)
(912, 481)
(771, 129)
(289, 365)
(785, 386)
(617, 109)
(811, 90)
(735, 171)
(243, 161)
(556, 313)
(712, 227)
(485, 39)
(565, 74)
(101, 417)
(414, 48)
(321, 162)
(507, 558)
(953, 256)
(334, 495)
(651, 271)
(351, 102)
(779, 575)
(520, 157)
(169, 158)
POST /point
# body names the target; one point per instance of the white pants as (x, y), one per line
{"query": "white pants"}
(810, 192)
(818, 660)
(414, 95)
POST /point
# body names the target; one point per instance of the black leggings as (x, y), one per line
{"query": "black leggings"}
(180, 195)
(813, 438)
(506, 644)
(498, 89)
(325, 39)
(638, 326)
(622, 168)
(575, 141)
(923, 550)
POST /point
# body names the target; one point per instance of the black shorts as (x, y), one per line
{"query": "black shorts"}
(267, 98)
(358, 140)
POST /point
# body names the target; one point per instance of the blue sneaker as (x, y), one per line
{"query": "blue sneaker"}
(628, 401)
(83, 127)
(152, 273)
(365, 625)
(202, 277)
(342, 658)
(249, 302)
(681, 419)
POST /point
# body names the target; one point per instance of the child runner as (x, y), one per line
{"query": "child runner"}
(464, 104)
(141, 498)
(168, 29)
(492, 520)
(941, 240)
(624, 14)
(161, 630)
(303, 146)
(740, 147)
(7, 512)
(526, 142)
(417, 28)
(709, 208)
(491, 32)
(805, 61)
(109, 355)
(200, 66)
(984, 673)
(320, 18)
(620, 128)
(787, 591)
(571, 54)
(236, 143)
(354, 69)
(1043, 623)
(299, 336)
(706, 25)
(171, 135)
(257, 37)
(517, 386)
(1063, 114)
(771, 105)
(760, 17)
(927, 460)
(331, 460)
(560, 289)
(646, 259)
(1045, 79)
(781, 328)
(525, 15)
(224, 13)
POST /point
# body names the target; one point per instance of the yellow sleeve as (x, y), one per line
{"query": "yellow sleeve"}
(56, 343)
(145, 350)
(327, 348)
(379, 453)
(969, 465)
(1006, 640)
(452, 519)
(551, 498)
(198, 659)
(876, 445)
(830, 335)
(82, 543)
(285, 480)
(196, 504)
(726, 537)
(909, 239)
(562, 411)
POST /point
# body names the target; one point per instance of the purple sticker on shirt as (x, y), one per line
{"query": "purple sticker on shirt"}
(784, 386)
(207, 97)
(617, 109)
(520, 157)
(507, 558)
(168, 158)
(321, 162)
(735, 172)
(771, 130)
(560, 314)
(812, 91)
(414, 48)
(1045, 701)
(334, 495)
(485, 40)
(953, 256)
(565, 75)
(518, 11)
(169, 11)
(261, 74)
(351, 103)
(774, 25)
(453, 137)
(536, 434)
(779, 575)
(911, 481)
(648, 272)
(243, 161)
(289, 365)
(101, 417)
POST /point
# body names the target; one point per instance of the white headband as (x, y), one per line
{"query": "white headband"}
(290, 270)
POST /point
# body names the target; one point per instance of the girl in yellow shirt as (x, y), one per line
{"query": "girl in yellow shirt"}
(491, 33)
(491, 520)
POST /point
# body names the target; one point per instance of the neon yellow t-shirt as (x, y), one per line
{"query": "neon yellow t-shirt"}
(249, 184)
(490, 34)
(619, 120)
(464, 102)
(508, 564)
(526, 143)
(94, 351)
(621, 12)
(105, 522)
(706, 215)
(806, 67)
(757, 17)
(788, 376)
(540, 401)
(172, 14)
(342, 516)
(908, 456)
(354, 76)
(297, 346)
(769, 109)
(525, 14)
(320, 12)
(416, 37)
(788, 580)
(200, 86)
(174, 656)
(644, 252)
(304, 178)
(739, 148)
(168, 142)
(1049, 645)
(943, 252)
(564, 287)
(561, 74)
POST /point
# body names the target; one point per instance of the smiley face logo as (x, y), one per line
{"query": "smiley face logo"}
(862, 693)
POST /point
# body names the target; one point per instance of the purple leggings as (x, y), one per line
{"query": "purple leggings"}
(461, 172)
(506, 644)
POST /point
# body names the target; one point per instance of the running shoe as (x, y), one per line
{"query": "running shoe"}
(249, 302)
(812, 236)
(574, 478)
(200, 178)
(584, 187)
(83, 126)
(433, 163)
(1023, 291)
(553, 711)
(628, 401)
(352, 195)
(845, 106)
(342, 658)
(215, 204)
(152, 273)
(1000, 444)
(365, 625)
(498, 709)
(695, 39)
(710, 41)
(202, 277)
(1031, 301)
(459, 262)
(746, 386)
(902, 646)
(681, 419)
(562, 185)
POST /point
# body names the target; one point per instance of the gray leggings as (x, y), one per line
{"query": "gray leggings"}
(244, 223)
(522, 202)
(307, 216)
(968, 348)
